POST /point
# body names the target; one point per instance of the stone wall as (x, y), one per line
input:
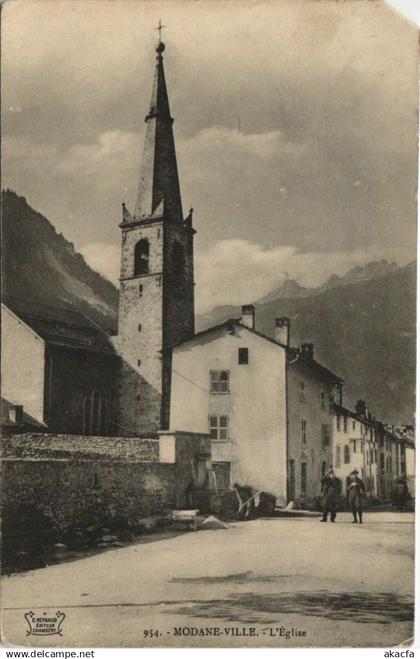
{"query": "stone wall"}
(58, 495)
(156, 311)
(36, 446)
(55, 483)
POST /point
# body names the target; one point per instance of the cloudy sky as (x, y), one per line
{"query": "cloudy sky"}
(295, 128)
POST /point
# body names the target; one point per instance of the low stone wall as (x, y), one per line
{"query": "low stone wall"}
(56, 495)
(58, 482)
(37, 446)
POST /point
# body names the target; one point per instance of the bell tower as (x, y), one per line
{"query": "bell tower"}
(156, 303)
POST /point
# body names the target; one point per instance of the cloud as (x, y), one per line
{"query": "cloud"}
(235, 272)
(244, 181)
(324, 93)
(80, 187)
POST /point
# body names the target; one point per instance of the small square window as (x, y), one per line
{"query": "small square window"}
(243, 356)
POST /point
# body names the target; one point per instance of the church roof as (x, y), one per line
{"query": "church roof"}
(61, 326)
(292, 353)
(158, 192)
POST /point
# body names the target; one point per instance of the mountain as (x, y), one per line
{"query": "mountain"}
(361, 273)
(363, 328)
(289, 288)
(40, 264)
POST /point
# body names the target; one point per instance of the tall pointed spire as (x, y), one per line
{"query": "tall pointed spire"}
(158, 192)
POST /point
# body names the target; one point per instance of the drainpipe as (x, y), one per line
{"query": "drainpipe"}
(287, 422)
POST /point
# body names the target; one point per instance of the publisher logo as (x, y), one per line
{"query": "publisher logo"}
(45, 624)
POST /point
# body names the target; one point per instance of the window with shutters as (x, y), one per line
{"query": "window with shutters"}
(303, 478)
(346, 454)
(302, 397)
(338, 455)
(325, 435)
(303, 431)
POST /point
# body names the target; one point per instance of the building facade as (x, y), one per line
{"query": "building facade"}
(355, 446)
(235, 383)
(376, 450)
(311, 390)
(266, 405)
(58, 370)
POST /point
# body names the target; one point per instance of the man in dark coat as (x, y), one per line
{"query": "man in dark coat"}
(330, 491)
(400, 493)
(355, 493)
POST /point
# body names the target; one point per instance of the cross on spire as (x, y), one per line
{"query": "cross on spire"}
(159, 29)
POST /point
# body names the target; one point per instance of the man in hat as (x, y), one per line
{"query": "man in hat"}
(330, 491)
(355, 491)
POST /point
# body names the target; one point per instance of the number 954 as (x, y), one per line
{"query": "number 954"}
(151, 633)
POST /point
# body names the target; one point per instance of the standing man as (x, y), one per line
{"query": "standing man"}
(400, 493)
(330, 490)
(355, 491)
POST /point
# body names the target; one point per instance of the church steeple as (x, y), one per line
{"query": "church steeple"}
(156, 304)
(158, 192)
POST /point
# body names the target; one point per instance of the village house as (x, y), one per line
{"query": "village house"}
(376, 450)
(355, 446)
(265, 404)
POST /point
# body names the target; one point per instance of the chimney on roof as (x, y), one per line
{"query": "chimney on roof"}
(361, 408)
(248, 316)
(282, 330)
(16, 414)
(307, 350)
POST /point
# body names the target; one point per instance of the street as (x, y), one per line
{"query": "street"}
(294, 582)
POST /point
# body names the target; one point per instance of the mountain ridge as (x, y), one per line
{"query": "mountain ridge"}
(29, 238)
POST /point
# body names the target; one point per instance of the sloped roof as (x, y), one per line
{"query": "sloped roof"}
(323, 371)
(60, 326)
(27, 421)
(344, 411)
(291, 352)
